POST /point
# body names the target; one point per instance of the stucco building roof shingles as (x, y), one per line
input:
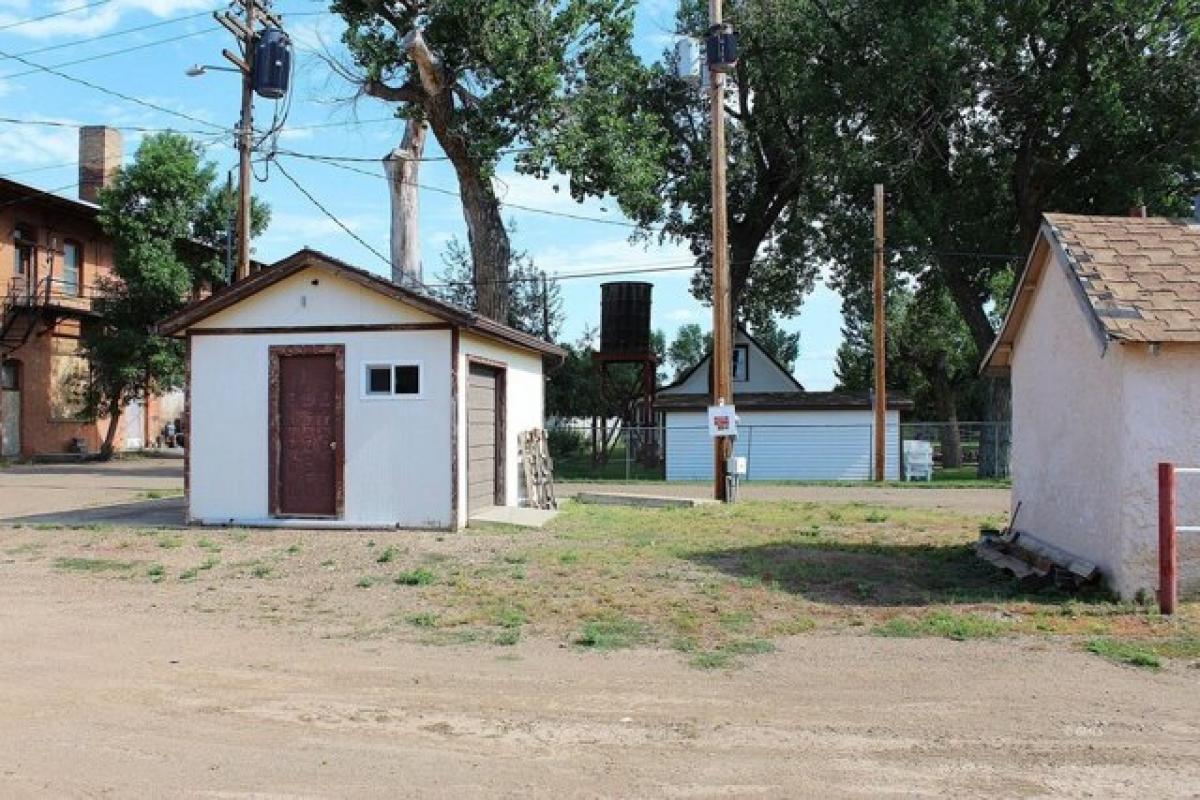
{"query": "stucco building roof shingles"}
(1141, 275)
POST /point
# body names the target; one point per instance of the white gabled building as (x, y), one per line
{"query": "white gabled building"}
(785, 432)
(1102, 344)
(321, 395)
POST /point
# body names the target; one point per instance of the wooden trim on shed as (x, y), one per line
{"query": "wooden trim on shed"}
(284, 329)
(454, 471)
(187, 428)
(275, 353)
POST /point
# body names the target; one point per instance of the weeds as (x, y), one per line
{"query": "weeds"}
(1124, 652)
(417, 577)
(958, 627)
(93, 564)
(613, 632)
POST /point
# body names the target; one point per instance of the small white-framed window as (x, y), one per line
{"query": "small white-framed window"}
(741, 363)
(392, 379)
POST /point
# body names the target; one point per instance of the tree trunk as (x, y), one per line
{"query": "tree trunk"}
(491, 253)
(403, 166)
(995, 440)
(110, 436)
(946, 405)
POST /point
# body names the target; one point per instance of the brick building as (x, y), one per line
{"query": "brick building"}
(52, 252)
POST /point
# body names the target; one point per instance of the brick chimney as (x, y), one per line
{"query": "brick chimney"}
(99, 159)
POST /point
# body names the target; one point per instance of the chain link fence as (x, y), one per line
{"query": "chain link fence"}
(608, 450)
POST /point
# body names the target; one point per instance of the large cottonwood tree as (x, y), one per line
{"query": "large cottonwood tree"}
(552, 79)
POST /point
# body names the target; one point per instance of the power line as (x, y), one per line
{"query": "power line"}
(54, 123)
(111, 53)
(453, 193)
(331, 215)
(370, 160)
(61, 13)
(113, 34)
(112, 92)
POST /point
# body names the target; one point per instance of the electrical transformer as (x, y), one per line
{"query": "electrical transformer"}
(272, 68)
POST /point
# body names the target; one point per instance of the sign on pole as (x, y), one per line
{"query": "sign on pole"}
(722, 421)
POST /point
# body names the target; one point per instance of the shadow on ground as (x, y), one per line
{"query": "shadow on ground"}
(158, 468)
(165, 513)
(873, 574)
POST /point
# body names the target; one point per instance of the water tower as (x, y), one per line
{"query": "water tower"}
(627, 362)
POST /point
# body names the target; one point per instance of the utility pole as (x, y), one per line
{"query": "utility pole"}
(880, 326)
(245, 143)
(245, 30)
(721, 54)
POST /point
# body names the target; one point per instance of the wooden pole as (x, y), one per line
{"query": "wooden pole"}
(880, 324)
(1168, 546)
(245, 144)
(722, 361)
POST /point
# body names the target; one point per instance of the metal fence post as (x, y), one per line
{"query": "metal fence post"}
(1168, 544)
(628, 447)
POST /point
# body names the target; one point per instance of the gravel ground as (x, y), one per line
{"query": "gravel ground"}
(122, 688)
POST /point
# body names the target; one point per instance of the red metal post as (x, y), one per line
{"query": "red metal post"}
(1168, 548)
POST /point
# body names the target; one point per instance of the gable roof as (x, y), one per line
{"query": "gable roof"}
(309, 258)
(1137, 278)
(707, 359)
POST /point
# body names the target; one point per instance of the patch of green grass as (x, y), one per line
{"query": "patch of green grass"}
(1187, 646)
(416, 577)
(210, 562)
(726, 655)
(508, 638)
(365, 582)
(569, 557)
(1125, 652)
(293, 549)
(516, 558)
(329, 562)
(93, 564)
(208, 544)
(261, 571)
(876, 517)
(189, 574)
(425, 619)
(611, 632)
(958, 627)
(169, 541)
(156, 573)
(389, 554)
(509, 617)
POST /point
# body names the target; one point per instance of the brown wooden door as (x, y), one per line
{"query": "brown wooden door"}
(484, 436)
(308, 415)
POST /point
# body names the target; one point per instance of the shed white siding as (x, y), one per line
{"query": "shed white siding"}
(397, 469)
(1089, 426)
(784, 445)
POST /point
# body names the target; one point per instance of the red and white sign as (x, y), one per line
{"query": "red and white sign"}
(722, 421)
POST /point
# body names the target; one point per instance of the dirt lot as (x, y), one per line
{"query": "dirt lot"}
(795, 648)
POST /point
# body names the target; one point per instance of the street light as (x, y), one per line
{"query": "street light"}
(196, 70)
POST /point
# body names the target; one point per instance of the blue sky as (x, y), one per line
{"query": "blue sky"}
(148, 66)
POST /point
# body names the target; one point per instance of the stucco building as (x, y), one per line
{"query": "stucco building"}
(785, 431)
(1102, 343)
(52, 253)
(321, 395)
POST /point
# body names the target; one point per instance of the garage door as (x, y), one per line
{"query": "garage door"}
(484, 456)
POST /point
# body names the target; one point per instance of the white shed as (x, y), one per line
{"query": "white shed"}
(785, 432)
(1102, 343)
(321, 395)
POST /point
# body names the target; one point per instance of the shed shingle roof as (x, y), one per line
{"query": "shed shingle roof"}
(1141, 275)
(1138, 277)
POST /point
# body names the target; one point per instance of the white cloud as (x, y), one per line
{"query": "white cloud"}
(89, 21)
(30, 146)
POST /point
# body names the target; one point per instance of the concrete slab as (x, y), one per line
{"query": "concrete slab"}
(511, 515)
(640, 500)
